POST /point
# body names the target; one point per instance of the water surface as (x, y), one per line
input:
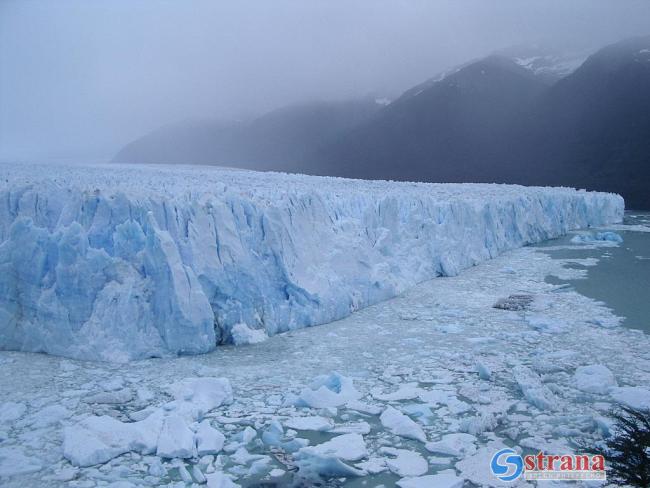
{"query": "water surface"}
(621, 278)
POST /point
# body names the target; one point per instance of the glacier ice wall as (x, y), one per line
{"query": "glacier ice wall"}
(124, 262)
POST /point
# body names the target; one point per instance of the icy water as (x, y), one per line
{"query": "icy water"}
(419, 353)
(621, 277)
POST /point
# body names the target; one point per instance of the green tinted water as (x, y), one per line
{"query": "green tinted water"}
(621, 279)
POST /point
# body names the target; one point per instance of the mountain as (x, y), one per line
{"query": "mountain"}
(524, 115)
(595, 123)
(442, 131)
(280, 140)
(496, 120)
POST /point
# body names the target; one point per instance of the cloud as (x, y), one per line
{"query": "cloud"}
(78, 79)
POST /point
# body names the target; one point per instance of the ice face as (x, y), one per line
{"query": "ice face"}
(124, 262)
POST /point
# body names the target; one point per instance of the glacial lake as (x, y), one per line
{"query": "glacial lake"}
(621, 279)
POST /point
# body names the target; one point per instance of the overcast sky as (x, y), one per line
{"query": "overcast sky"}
(80, 78)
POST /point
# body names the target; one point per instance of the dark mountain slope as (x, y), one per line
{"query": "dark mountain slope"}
(447, 131)
(595, 124)
(495, 121)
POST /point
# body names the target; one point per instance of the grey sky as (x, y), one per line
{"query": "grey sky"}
(78, 79)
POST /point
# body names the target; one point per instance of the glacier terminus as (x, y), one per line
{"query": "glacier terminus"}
(117, 262)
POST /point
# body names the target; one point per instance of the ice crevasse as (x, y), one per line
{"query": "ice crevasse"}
(114, 262)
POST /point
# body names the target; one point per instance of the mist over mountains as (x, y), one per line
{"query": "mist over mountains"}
(281, 140)
(519, 116)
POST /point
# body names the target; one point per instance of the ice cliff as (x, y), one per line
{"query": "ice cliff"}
(126, 262)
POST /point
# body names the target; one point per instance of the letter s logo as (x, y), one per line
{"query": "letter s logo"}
(507, 465)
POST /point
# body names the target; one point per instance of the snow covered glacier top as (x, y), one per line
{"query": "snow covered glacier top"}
(121, 262)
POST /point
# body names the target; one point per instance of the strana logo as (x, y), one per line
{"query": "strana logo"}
(507, 465)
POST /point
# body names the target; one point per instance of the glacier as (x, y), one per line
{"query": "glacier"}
(119, 262)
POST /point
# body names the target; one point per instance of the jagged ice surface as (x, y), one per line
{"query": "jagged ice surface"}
(120, 262)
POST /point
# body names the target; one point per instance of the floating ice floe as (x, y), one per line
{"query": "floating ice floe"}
(315, 422)
(633, 396)
(483, 370)
(220, 480)
(165, 431)
(208, 439)
(403, 462)
(50, 415)
(594, 378)
(533, 389)
(333, 390)
(408, 391)
(14, 462)
(196, 396)
(328, 458)
(98, 439)
(546, 324)
(274, 436)
(444, 479)
(402, 425)
(457, 445)
(10, 411)
(243, 334)
(588, 238)
(176, 439)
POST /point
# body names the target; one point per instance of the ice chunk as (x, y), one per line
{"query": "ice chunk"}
(477, 424)
(111, 397)
(176, 440)
(420, 411)
(607, 236)
(444, 479)
(243, 334)
(247, 435)
(364, 407)
(532, 388)
(316, 422)
(14, 462)
(549, 325)
(10, 411)
(408, 391)
(208, 439)
(327, 459)
(484, 371)
(402, 425)
(331, 390)
(197, 396)
(97, 439)
(219, 479)
(352, 428)
(632, 396)
(349, 447)
(444, 397)
(50, 415)
(373, 465)
(274, 436)
(405, 462)
(594, 378)
(457, 445)
(242, 456)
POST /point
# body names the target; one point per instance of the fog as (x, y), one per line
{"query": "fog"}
(78, 79)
